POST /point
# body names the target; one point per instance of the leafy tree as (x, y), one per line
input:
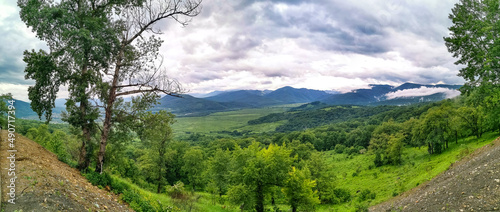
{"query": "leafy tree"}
(193, 166)
(323, 173)
(80, 37)
(300, 150)
(135, 67)
(474, 40)
(218, 170)
(157, 134)
(299, 190)
(241, 195)
(260, 169)
(91, 42)
(436, 128)
(387, 139)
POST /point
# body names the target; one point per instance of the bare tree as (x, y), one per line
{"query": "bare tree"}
(135, 68)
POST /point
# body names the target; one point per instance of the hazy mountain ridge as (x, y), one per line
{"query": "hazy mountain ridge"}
(218, 101)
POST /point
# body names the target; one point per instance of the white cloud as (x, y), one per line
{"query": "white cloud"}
(422, 91)
(254, 44)
(19, 92)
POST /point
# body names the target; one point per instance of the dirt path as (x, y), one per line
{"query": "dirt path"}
(472, 184)
(44, 183)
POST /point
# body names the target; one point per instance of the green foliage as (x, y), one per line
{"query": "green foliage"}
(242, 196)
(156, 134)
(366, 194)
(194, 166)
(474, 41)
(339, 148)
(299, 191)
(218, 171)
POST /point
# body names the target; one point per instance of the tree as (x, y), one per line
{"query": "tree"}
(474, 40)
(260, 169)
(387, 140)
(323, 174)
(218, 170)
(157, 134)
(80, 37)
(193, 166)
(299, 190)
(135, 69)
(100, 48)
(436, 128)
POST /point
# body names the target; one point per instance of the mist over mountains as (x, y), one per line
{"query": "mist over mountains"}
(218, 101)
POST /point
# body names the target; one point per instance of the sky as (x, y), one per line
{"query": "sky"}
(267, 44)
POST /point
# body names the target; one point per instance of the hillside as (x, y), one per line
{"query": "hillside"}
(472, 184)
(44, 183)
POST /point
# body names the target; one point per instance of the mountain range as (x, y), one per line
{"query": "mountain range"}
(218, 101)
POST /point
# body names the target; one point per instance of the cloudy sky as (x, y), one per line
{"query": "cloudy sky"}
(267, 44)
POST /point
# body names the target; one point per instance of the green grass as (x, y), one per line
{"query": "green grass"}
(418, 167)
(229, 121)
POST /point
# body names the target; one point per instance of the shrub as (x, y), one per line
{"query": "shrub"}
(97, 179)
(366, 194)
(339, 148)
(341, 195)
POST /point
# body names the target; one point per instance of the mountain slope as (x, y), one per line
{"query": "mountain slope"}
(253, 98)
(405, 94)
(44, 183)
(289, 95)
(472, 184)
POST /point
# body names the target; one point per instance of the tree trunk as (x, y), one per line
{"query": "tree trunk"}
(108, 113)
(84, 160)
(259, 202)
(159, 181)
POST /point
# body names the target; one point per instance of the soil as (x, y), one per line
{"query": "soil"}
(472, 184)
(44, 183)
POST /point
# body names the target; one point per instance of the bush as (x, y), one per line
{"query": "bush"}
(341, 195)
(366, 194)
(97, 179)
(339, 148)
(177, 191)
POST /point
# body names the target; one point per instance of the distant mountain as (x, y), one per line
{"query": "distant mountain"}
(257, 98)
(251, 98)
(289, 95)
(359, 96)
(218, 101)
(405, 94)
(23, 110)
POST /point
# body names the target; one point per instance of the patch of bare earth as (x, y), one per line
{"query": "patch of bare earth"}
(472, 184)
(44, 183)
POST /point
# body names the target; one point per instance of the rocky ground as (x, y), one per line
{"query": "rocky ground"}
(44, 183)
(473, 184)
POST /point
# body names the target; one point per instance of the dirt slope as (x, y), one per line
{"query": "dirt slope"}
(44, 183)
(472, 184)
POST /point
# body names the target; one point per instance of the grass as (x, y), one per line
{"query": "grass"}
(229, 121)
(387, 181)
